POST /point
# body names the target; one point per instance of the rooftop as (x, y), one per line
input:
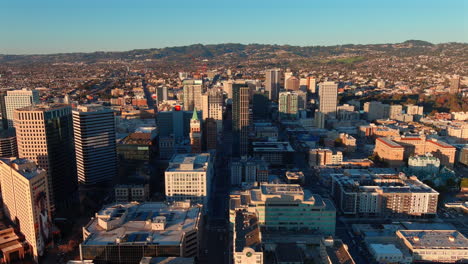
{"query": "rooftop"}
(129, 223)
(43, 107)
(247, 231)
(435, 239)
(25, 167)
(138, 138)
(189, 162)
(272, 146)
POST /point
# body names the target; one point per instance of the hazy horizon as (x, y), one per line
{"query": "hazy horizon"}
(54, 26)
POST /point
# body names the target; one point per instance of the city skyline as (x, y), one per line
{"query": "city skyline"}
(56, 27)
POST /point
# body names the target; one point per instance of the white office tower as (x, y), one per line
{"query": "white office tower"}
(26, 201)
(96, 154)
(328, 97)
(18, 99)
(273, 83)
(189, 177)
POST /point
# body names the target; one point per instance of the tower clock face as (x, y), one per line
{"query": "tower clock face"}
(249, 254)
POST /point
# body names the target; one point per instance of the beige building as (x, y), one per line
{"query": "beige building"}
(389, 151)
(26, 201)
(349, 142)
(189, 177)
(420, 146)
(323, 157)
(17, 99)
(45, 135)
(438, 246)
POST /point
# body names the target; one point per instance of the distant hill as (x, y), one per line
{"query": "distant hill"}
(233, 52)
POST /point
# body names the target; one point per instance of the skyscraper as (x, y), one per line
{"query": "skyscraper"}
(195, 133)
(260, 105)
(273, 83)
(26, 201)
(96, 154)
(328, 97)
(240, 119)
(45, 136)
(17, 99)
(193, 90)
(455, 84)
(288, 105)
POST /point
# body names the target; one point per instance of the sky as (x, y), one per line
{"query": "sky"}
(58, 26)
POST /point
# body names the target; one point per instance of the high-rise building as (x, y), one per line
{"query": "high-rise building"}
(288, 105)
(174, 124)
(395, 111)
(26, 201)
(273, 83)
(195, 133)
(455, 84)
(292, 83)
(227, 88)
(193, 90)
(17, 99)
(161, 93)
(260, 105)
(189, 177)
(312, 86)
(240, 119)
(328, 98)
(8, 146)
(45, 135)
(95, 144)
(212, 102)
(287, 74)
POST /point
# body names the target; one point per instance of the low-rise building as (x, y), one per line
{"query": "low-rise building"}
(323, 157)
(424, 164)
(247, 239)
(334, 251)
(383, 195)
(127, 232)
(287, 206)
(387, 253)
(441, 246)
(389, 151)
(248, 170)
(275, 153)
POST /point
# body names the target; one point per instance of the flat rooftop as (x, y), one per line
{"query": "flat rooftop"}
(435, 239)
(189, 162)
(247, 231)
(272, 146)
(138, 138)
(136, 226)
(25, 167)
(43, 107)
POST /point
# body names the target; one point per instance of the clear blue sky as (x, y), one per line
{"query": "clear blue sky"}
(53, 26)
